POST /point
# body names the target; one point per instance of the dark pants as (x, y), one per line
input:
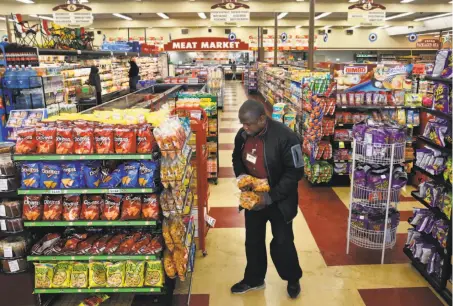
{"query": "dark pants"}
(133, 83)
(283, 250)
(98, 97)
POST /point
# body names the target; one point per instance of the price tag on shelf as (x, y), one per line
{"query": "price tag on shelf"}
(341, 145)
(2, 211)
(13, 266)
(7, 252)
(79, 52)
(3, 184)
(3, 225)
(113, 190)
(55, 191)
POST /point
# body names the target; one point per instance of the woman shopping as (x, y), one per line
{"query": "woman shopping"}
(133, 74)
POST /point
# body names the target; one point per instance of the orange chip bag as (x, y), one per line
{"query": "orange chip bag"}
(111, 207)
(32, 208)
(131, 207)
(83, 140)
(125, 140)
(64, 140)
(150, 207)
(103, 140)
(91, 207)
(26, 141)
(71, 207)
(53, 208)
(145, 139)
(45, 139)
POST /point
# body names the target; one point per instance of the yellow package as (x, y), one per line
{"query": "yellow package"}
(154, 275)
(115, 274)
(79, 275)
(98, 275)
(135, 271)
(43, 275)
(62, 275)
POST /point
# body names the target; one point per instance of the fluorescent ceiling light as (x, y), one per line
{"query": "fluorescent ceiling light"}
(26, 1)
(407, 1)
(83, 1)
(281, 15)
(384, 27)
(3, 18)
(162, 15)
(352, 1)
(322, 15)
(298, 26)
(354, 27)
(202, 15)
(41, 17)
(432, 17)
(122, 16)
(327, 26)
(399, 15)
(299, 0)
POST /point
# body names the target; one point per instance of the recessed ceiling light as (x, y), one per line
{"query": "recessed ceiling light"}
(162, 15)
(26, 1)
(202, 15)
(281, 15)
(407, 1)
(432, 17)
(83, 1)
(322, 15)
(399, 15)
(122, 16)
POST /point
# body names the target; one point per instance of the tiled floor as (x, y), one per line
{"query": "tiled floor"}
(331, 277)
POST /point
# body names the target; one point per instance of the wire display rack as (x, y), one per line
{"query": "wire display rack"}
(380, 154)
(375, 198)
(372, 240)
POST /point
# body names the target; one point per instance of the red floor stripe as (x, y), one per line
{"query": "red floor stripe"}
(407, 199)
(226, 146)
(327, 219)
(227, 217)
(422, 296)
(404, 215)
(226, 172)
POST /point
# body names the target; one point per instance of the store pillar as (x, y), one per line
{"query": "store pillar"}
(311, 35)
(275, 38)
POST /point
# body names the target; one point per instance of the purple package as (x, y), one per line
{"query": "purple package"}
(440, 97)
(376, 98)
(441, 63)
(358, 131)
(378, 138)
(447, 71)
(377, 179)
(399, 178)
(396, 135)
(359, 221)
(421, 226)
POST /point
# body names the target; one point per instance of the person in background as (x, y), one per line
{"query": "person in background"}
(95, 80)
(233, 69)
(267, 149)
(133, 74)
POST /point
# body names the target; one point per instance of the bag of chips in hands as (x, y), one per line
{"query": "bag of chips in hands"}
(91, 207)
(115, 274)
(134, 274)
(50, 175)
(98, 275)
(79, 275)
(261, 185)
(103, 139)
(26, 141)
(244, 181)
(111, 207)
(154, 275)
(62, 275)
(94, 300)
(43, 275)
(45, 139)
(64, 140)
(130, 174)
(53, 208)
(92, 174)
(32, 208)
(249, 199)
(71, 207)
(131, 207)
(30, 173)
(72, 175)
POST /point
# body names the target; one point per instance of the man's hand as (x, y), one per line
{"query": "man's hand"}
(265, 200)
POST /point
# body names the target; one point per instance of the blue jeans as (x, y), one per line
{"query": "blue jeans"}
(133, 82)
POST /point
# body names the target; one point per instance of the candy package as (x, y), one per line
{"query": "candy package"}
(30, 173)
(91, 207)
(131, 207)
(32, 208)
(45, 139)
(50, 175)
(71, 207)
(111, 207)
(71, 175)
(53, 208)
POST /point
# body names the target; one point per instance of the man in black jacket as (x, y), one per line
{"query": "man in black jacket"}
(268, 149)
(133, 74)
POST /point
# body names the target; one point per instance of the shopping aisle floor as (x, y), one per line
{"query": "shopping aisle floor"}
(331, 277)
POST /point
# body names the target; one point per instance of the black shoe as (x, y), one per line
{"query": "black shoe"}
(293, 289)
(242, 287)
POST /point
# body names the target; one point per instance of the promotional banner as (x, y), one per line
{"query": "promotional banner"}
(230, 11)
(366, 13)
(428, 44)
(72, 15)
(206, 44)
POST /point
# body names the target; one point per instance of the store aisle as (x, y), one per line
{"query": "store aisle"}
(330, 276)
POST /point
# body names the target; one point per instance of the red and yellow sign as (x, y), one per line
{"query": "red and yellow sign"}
(206, 44)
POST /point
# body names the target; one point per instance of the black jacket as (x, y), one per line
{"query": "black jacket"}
(133, 71)
(94, 79)
(284, 165)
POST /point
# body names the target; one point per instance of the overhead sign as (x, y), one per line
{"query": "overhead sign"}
(366, 13)
(72, 15)
(428, 44)
(230, 11)
(206, 44)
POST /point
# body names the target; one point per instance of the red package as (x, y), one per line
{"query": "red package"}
(100, 244)
(53, 208)
(150, 207)
(45, 139)
(152, 248)
(26, 141)
(114, 244)
(145, 139)
(64, 140)
(91, 207)
(111, 207)
(32, 208)
(127, 244)
(125, 140)
(71, 207)
(103, 140)
(140, 243)
(85, 246)
(83, 140)
(71, 243)
(131, 207)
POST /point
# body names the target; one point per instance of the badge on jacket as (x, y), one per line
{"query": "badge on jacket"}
(297, 156)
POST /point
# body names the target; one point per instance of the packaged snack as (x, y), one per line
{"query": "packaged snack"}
(94, 300)
(127, 243)
(111, 207)
(26, 141)
(150, 207)
(167, 235)
(91, 207)
(103, 140)
(135, 271)
(154, 274)
(32, 208)
(145, 139)
(142, 242)
(244, 181)
(146, 175)
(62, 275)
(53, 208)
(169, 265)
(50, 175)
(115, 274)
(71, 175)
(71, 243)
(92, 174)
(114, 243)
(43, 275)
(261, 185)
(83, 140)
(125, 140)
(100, 245)
(131, 207)
(98, 275)
(84, 247)
(130, 174)
(112, 179)
(180, 258)
(44, 243)
(30, 175)
(155, 247)
(64, 140)
(79, 275)
(45, 139)
(71, 207)
(248, 199)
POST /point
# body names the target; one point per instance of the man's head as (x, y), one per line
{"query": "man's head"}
(252, 117)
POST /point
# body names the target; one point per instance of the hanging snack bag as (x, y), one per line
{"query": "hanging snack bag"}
(79, 275)
(111, 180)
(154, 274)
(62, 275)
(103, 140)
(98, 275)
(131, 207)
(72, 175)
(169, 265)
(130, 174)
(125, 140)
(53, 208)
(32, 208)
(150, 207)
(115, 274)
(83, 140)
(50, 175)
(30, 175)
(91, 207)
(92, 174)
(64, 141)
(43, 275)
(135, 274)
(26, 141)
(146, 175)
(145, 139)
(111, 207)
(45, 139)
(71, 207)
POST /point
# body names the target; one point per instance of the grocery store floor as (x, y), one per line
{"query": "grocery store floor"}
(330, 276)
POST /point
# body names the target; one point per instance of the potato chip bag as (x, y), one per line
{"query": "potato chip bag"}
(83, 140)
(131, 207)
(150, 207)
(111, 207)
(50, 175)
(30, 174)
(62, 275)
(32, 208)
(71, 175)
(145, 139)
(146, 174)
(64, 140)
(115, 274)
(154, 274)
(79, 275)
(111, 180)
(92, 174)
(135, 271)
(71, 207)
(45, 139)
(130, 174)
(26, 141)
(125, 140)
(98, 275)
(43, 275)
(103, 140)
(91, 207)
(53, 207)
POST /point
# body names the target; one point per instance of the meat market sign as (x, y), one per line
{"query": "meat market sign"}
(428, 44)
(206, 44)
(230, 11)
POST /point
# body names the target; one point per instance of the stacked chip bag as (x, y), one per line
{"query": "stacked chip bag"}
(72, 175)
(146, 177)
(30, 173)
(130, 174)
(50, 175)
